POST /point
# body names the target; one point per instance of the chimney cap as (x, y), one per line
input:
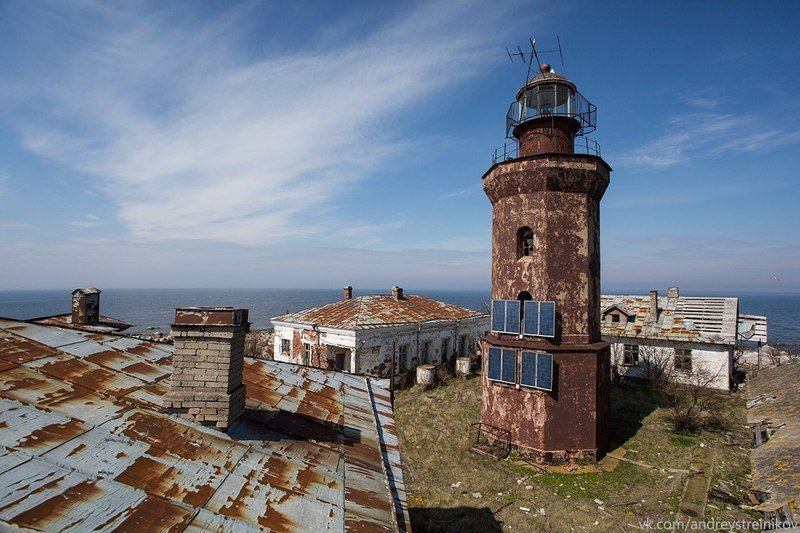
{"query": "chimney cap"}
(673, 292)
(210, 316)
(86, 290)
(397, 292)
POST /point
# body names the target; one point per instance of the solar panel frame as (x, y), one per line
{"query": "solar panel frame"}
(528, 367)
(509, 367)
(543, 325)
(494, 364)
(505, 316)
(544, 371)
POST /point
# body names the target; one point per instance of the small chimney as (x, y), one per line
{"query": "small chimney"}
(85, 306)
(397, 292)
(673, 292)
(348, 292)
(652, 314)
(208, 361)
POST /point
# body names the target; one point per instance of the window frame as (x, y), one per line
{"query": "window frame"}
(634, 349)
(522, 240)
(308, 352)
(685, 356)
(286, 346)
(402, 357)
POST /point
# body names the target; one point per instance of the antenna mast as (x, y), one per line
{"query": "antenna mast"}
(528, 57)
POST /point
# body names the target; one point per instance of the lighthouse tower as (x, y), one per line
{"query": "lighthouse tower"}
(546, 376)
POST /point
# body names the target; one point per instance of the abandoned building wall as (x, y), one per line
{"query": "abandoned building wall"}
(424, 344)
(712, 361)
(307, 346)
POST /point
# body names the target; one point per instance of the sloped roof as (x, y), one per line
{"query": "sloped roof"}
(106, 324)
(84, 445)
(382, 310)
(688, 319)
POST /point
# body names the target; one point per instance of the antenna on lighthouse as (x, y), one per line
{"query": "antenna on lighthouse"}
(528, 57)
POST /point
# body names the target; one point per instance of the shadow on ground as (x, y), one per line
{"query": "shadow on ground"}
(630, 405)
(454, 519)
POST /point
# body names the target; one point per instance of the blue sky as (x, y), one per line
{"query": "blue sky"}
(308, 144)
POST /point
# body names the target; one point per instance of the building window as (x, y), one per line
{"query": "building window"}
(614, 318)
(524, 242)
(307, 353)
(445, 349)
(537, 370)
(631, 357)
(402, 357)
(426, 352)
(502, 365)
(286, 347)
(463, 346)
(683, 360)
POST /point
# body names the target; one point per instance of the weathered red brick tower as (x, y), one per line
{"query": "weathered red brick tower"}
(546, 377)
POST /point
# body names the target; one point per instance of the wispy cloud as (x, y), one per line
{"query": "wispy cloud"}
(195, 140)
(692, 135)
(462, 192)
(91, 221)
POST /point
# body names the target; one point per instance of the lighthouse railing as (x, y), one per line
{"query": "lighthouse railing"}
(510, 150)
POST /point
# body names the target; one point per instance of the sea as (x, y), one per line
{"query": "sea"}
(152, 310)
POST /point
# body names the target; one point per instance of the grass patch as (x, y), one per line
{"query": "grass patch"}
(453, 489)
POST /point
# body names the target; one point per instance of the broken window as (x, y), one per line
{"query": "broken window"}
(307, 353)
(683, 360)
(463, 346)
(614, 318)
(402, 357)
(631, 356)
(286, 347)
(524, 242)
(445, 349)
(502, 365)
(426, 352)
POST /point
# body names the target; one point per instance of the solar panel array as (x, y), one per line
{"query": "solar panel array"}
(539, 317)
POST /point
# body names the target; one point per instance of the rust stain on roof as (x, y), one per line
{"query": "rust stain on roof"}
(378, 311)
(84, 446)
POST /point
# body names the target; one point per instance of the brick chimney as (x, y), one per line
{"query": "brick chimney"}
(85, 306)
(397, 292)
(348, 292)
(208, 360)
(652, 314)
(673, 292)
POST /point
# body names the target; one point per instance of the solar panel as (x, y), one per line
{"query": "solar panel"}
(512, 316)
(528, 376)
(531, 318)
(544, 371)
(547, 319)
(509, 366)
(494, 363)
(540, 318)
(505, 316)
(498, 315)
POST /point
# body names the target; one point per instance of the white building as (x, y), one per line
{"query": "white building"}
(361, 335)
(685, 337)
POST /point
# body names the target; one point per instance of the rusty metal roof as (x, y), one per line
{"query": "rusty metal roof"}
(84, 445)
(685, 319)
(365, 312)
(106, 324)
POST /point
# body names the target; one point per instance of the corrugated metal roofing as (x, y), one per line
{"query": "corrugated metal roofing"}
(378, 311)
(687, 319)
(106, 324)
(83, 444)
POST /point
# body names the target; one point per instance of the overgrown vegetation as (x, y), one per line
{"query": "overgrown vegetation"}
(453, 489)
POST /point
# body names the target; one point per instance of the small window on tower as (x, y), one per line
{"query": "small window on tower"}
(524, 242)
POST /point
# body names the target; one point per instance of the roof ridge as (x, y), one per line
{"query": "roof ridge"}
(358, 313)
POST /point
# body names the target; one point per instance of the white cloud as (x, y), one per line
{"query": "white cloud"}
(694, 135)
(194, 141)
(91, 221)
